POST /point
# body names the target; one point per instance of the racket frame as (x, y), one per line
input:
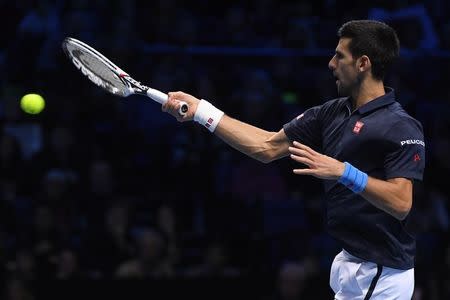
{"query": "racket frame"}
(132, 86)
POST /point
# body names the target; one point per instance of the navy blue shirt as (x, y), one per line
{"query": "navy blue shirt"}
(382, 140)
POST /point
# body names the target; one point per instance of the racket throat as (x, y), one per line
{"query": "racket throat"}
(132, 90)
(134, 86)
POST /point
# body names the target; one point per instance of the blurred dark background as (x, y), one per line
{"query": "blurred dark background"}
(104, 197)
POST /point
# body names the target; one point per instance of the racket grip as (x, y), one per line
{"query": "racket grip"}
(161, 98)
(158, 96)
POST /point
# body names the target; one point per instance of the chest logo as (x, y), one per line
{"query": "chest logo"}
(358, 126)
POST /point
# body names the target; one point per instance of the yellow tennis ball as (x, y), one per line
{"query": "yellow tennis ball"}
(32, 103)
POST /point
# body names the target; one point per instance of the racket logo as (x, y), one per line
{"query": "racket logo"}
(95, 79)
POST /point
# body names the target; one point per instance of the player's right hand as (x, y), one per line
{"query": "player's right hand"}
(173, 104)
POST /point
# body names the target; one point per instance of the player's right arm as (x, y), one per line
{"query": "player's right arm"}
(255, 142)
(265, 146)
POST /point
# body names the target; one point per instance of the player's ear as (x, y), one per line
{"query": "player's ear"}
(364, 63)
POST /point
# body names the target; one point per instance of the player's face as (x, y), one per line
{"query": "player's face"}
(344, 68)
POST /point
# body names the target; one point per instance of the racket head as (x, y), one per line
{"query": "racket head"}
(97, 67)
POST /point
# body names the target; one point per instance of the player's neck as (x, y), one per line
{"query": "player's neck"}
(367, 91)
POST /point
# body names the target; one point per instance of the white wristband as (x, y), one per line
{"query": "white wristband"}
(208, 115)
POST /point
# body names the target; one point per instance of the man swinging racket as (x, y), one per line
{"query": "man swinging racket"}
(364, 146)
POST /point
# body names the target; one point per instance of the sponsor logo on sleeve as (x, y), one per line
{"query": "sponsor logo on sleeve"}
(412, 142)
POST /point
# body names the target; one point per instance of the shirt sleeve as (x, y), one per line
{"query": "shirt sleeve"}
(306, 128)
(407, 159)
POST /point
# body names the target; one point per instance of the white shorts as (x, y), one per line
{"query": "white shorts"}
(354, 278)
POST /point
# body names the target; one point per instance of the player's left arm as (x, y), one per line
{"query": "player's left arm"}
(394, 195)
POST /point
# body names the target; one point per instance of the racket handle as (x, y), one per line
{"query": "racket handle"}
(161, 98)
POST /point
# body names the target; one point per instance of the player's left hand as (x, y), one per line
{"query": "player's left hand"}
(319, 165)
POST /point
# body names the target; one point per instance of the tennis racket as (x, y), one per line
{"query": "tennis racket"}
(108, 76)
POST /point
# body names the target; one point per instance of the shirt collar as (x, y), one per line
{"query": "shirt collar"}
(386, 99)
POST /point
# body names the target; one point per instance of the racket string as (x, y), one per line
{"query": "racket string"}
(100, 69)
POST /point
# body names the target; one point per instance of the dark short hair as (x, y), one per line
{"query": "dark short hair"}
(375, 39)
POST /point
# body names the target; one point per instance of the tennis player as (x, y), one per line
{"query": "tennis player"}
(367, 150)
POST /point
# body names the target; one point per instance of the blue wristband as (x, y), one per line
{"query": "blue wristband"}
(353, 178)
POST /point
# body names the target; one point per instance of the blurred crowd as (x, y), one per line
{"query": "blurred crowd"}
(102, 188)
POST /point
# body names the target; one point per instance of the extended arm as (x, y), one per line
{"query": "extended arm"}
(255, 142)
(394, 196)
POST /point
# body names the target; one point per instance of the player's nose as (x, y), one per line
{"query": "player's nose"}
(332, 64)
